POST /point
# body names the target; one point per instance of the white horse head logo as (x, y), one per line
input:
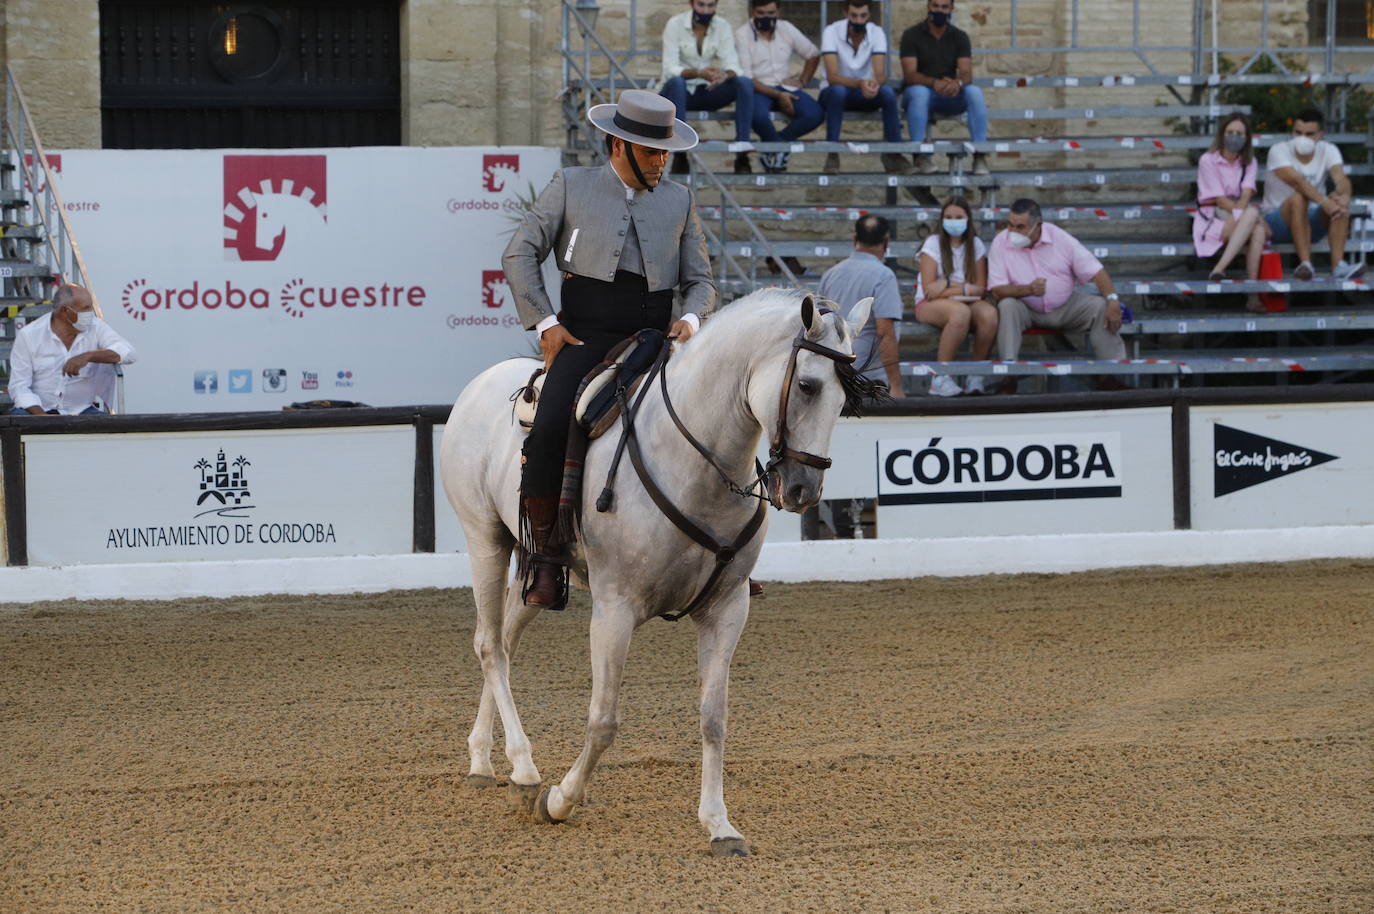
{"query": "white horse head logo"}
(276, 210)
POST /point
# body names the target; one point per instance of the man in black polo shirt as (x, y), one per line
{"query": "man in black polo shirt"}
(937, 71)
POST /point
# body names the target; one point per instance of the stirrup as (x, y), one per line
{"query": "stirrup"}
(560, 562)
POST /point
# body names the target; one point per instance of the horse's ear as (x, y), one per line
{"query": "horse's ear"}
(858, 316)
(811, 319)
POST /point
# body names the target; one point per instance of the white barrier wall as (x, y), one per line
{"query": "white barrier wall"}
(197, 496)
(204, 496)
(248, 280)
(1282, 466)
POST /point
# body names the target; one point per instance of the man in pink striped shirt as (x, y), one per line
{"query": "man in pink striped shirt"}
(1033, 271)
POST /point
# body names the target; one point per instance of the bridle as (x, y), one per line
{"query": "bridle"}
(778, 452)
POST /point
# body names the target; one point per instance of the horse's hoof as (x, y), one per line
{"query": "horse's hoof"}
(542, 813)
(728, 847)
(481, 781)
(522, 796)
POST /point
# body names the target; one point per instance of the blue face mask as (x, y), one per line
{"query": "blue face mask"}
(938, 18)
(955, 228)
(702, 18)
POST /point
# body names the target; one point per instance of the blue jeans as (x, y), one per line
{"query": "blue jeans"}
(1284, 235)
(836, 100)
(735, 89)
(807, 116)
(921, 101)
(91, 410)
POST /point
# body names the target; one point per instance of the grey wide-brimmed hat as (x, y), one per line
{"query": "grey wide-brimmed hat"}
(646, 119)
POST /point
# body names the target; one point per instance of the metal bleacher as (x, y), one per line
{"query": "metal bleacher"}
(37, 248)
(1114, 175)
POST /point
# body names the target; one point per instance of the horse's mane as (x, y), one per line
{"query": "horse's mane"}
(775, 307)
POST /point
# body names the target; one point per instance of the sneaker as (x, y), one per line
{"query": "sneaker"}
(944, 386)
(895, 164)
(925, 165)
(974, 385)
(1348, 271)
(780, 161)
(742, 166)
(980, 164)
(1304, 271)
(832, 163)
(767, 160)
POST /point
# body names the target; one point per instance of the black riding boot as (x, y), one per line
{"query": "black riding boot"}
(546, 577)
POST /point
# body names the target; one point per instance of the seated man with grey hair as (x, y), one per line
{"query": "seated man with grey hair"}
(59, 362)
(1034, 269)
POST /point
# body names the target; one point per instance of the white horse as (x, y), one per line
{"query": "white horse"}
(764, 354)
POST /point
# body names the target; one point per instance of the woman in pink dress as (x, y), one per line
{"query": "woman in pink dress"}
(1225, 216)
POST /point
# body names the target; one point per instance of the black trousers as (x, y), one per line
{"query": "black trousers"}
(600, 314)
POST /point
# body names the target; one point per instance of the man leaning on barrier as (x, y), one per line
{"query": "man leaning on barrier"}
(58, 360)
(937, 75)
(1033, 270)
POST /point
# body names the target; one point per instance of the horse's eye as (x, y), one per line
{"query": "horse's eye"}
(808, 386)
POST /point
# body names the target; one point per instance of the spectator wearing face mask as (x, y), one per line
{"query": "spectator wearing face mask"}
(937, 75)
(1034, 269)
(1225, 214)
(765, 45)
(854, 50)
(951, 293)
(58, 364)
(701, 72)
(1296, 204)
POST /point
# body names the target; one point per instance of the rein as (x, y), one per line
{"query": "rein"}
(778, 451)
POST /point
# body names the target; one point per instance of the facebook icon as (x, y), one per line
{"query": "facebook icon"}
(207, 382)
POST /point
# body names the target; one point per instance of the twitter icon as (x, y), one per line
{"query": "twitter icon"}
(240, 381)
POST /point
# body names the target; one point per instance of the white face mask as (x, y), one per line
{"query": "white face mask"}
(1019, 241)
(85, 320)
(1304, 145)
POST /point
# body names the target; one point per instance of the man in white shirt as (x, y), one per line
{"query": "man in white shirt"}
(1296, 204)
(765, 45)
(58, 363)
(701, 72)
(855, 54)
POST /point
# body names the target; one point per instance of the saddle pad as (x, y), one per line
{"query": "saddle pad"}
(598, 408)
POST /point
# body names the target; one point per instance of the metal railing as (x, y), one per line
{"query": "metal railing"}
(58, 250)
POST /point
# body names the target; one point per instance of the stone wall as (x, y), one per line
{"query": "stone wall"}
(481, 72)
(53, 48)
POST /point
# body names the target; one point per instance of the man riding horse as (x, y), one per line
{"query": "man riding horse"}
(625, 239)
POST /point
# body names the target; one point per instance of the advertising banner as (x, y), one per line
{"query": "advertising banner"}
(1305, 464)
(248, 280)
(1070, 472)
(188, 496)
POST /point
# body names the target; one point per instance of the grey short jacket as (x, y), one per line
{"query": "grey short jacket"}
(582, 217)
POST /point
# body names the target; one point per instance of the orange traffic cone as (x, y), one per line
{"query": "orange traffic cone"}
(1271, 267)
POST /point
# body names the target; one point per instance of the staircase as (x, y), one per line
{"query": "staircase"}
(38, 250)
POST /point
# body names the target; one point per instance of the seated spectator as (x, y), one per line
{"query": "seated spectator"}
(1296, 204)
(701, 73)
(855, 54)
(937, 73)
(855, 278)
(1034, 268)
(765, 45)
(1225, 215)
(951, 292)
(56, 361)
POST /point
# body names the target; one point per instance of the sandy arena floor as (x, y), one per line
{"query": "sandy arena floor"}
(1143, 741)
